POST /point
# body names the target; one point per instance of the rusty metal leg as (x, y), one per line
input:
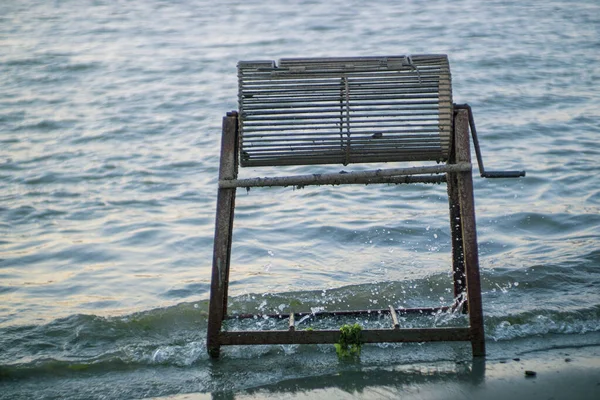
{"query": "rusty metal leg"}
(458, 262)
(469, 234)
(223, 231)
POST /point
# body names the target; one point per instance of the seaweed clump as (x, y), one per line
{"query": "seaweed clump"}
(349, 344)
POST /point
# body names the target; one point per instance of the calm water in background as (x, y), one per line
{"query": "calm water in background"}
(110, 118)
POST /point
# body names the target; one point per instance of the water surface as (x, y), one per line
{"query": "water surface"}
(110, 118)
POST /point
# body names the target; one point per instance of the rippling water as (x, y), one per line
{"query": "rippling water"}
(110, 118)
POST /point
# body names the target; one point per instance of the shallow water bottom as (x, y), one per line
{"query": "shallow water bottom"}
(564, 373)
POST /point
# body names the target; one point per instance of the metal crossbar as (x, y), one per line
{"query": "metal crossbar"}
(390, 175)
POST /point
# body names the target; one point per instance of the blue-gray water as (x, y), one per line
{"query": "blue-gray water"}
(110, 115)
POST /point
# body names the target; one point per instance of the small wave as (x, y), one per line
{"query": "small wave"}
(43, 126)
(44, 178)
(24, 62)
(75, 67)
(10, 165)
(174, 336)
(6, 289)
(63, 368)
(12, 116)
(19, 213)
(169, 335)
(181, 165)
(543, 322)
(189, 290)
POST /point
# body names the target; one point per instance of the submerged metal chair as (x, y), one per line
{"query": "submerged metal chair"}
(342, 111)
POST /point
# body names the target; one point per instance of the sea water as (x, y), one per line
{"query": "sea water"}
(110, 123)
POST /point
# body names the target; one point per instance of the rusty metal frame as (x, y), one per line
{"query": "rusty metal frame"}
(465, 261)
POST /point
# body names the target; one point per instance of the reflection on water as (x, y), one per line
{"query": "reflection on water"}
(393, 382)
